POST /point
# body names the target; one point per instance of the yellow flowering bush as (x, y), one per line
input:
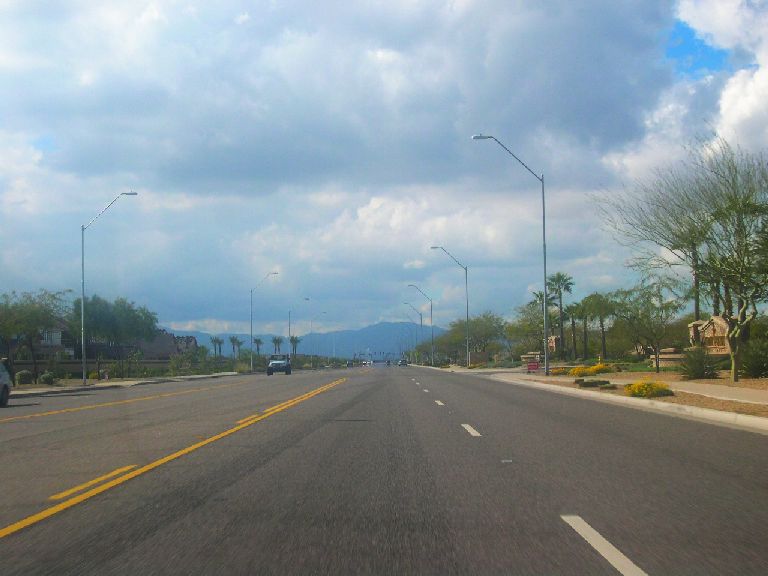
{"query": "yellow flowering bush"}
(579, 371)
(647, 389)
(558, 371)
(600, 369)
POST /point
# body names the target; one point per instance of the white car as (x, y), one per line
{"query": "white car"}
(5, 386)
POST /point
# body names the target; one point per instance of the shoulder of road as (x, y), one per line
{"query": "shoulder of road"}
(755, 400)
(107, 385)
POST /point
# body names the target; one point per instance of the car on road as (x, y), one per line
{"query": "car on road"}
(402, 363)
(279, 363)
(5, 384)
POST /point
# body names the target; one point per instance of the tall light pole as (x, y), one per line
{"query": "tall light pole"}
(431, 323)
(421, 323)
(252, 289)
(543, 240)
(83, 228)
(466, 289)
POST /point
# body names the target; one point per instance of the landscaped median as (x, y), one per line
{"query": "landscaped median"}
(648, 393)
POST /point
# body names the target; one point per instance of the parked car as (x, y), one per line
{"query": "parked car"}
(5, 384)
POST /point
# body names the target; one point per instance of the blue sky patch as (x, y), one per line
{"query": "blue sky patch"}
(691, 55)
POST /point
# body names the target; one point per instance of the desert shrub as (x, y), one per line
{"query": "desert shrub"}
(697, 364)
(600, 369)
(754, 362)
(24, 377)
(579, 371)
(647, 389)
(607, 386)
(47, 378)
(582, 383)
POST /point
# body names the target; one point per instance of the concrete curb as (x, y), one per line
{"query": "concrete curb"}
(130, 384)
(729, 419)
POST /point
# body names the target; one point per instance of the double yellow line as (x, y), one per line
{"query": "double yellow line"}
(242, 424)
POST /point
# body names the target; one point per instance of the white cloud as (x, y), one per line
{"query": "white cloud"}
(242, 18)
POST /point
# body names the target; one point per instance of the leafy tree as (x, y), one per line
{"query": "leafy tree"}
(559, 283)
(485, 331)
(710, 215)
(649, 309)
(525, 333)
(29, 315)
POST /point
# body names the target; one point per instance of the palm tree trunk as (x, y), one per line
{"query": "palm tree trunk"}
(562, 328)
(585, 337)
(573, 337)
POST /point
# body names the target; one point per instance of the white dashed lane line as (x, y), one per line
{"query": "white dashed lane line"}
(439, 403)
(425, 390)
(472, 431)
(607, 550)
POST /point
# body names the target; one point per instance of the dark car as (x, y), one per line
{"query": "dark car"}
(279, 363)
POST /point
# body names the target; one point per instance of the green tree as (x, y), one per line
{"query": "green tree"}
(33, 313)
(258, 342)
(710, 215)
(559, 283)
(525, 333)
(216, 342)
(236, 343)
(277, 341)
(649, 310)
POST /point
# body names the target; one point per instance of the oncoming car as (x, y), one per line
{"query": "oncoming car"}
(5, 385)
(279, 363)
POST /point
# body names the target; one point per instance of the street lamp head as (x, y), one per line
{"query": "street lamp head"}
(481, 137)
(131, 193)
(273, 273)
(436, 247)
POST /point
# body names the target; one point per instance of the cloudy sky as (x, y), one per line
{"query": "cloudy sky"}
(330, 141)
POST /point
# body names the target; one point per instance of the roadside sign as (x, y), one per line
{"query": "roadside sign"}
(533, 366)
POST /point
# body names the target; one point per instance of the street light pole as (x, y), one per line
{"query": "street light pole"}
(252, 289)
(421, 323)
(83, 228)
(543, 240)
(431, 323)
(466, 289)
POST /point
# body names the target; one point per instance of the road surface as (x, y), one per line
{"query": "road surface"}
(382, 470)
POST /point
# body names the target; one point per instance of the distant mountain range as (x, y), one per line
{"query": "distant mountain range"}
(379, 341)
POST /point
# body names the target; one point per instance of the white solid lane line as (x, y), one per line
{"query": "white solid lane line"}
(439, 403)
(472, 431)
(607, 550)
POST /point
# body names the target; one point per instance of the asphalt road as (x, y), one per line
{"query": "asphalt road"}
(389, 471)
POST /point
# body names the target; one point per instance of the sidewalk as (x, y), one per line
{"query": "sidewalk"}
(719, 391)
(107, 385)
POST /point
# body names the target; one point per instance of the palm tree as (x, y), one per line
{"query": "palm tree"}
(294, 343)
(258, 342)
(216, 342)
(573, 312)
(236, 343)
(277, 341)
(559, 283)
(602, 308)
(585, 315)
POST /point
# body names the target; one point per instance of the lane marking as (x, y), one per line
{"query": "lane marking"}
(472, 431)
(425, 390)
(53, 510)
(507, 461)
(439, 403)
(83, 486)
(288, 403)
(118, 402)
(607, 550)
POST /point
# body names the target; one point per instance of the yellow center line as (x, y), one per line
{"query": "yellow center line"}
(117, 402)
(48, 512)
(289, 403)
(83, 486)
